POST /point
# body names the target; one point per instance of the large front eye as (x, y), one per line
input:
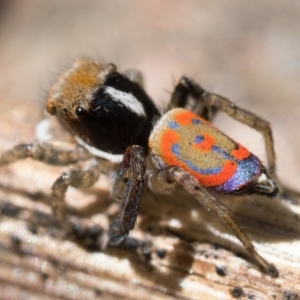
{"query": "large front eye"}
(80, 111)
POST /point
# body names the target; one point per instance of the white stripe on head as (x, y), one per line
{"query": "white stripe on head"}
(126, 99)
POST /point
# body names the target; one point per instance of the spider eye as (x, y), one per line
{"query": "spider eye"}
(80, 111)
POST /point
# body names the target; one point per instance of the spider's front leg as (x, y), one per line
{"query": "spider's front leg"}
(128, 188)
(206, 105)
(45, 153)
(76, 178)
(53, 156)
(219, 210)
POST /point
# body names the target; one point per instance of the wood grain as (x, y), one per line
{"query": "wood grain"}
(39, 261)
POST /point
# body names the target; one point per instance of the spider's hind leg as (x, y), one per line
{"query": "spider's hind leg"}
(210, 103)
(186, 90)
(219, 210)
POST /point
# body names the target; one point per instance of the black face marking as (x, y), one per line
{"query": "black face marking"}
(112, 125)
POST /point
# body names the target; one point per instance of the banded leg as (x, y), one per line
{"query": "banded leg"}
(211, 102)
(128, 188)
(189, 183)
(78, 179)
(45, 153)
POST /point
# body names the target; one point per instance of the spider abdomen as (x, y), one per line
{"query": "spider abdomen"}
(182, 138)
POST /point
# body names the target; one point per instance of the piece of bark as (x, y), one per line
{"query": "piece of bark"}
(40, 261)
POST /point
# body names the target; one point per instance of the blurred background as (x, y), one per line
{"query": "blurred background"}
(246, 51)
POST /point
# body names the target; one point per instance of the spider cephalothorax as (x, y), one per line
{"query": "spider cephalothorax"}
(113, 118)
(103, 108)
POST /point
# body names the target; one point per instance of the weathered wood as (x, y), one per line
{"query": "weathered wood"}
(38, 260)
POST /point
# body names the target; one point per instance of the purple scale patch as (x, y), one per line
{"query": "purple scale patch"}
(246, 170)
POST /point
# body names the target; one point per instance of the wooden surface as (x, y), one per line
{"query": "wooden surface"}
(38, 260)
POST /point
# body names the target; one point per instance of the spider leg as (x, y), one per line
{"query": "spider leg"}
(158, 184)
(180, 98)
(249, 119)
(45, 153)
(213, 102)
(75, 178)
(219, 210)
(129, 183)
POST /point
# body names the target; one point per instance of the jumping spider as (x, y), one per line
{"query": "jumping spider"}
(114, 119)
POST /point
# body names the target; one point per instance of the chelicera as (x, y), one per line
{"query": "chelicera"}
(114, 119)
